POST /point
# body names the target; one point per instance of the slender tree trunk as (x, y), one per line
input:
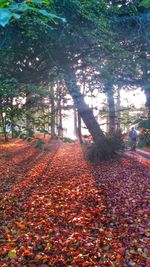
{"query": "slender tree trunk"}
(75, 123)
(86, 113)
(60, 126)
(77, 126)
(145, 69)
(79, 129)
(43, 113)
(29, 117)
(111, 109)
(4, 127)
(12, 121)
(147, 94)
(118, 115)
(52, 112)
(59, 117)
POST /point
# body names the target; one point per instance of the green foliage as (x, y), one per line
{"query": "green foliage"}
(23, 136)
(145, 3)
(29, 132)
(12, 10)
(47, 148)
(42, 44)
(39, 144)
(144, 124)
(116, 141)
(144, 138)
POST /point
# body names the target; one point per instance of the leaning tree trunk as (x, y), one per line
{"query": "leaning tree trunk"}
(86, 113)
(111, 109)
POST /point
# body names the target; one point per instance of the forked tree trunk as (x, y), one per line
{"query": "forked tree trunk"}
(86, 113)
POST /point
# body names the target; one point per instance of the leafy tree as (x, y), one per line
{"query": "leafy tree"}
(10, 106)
(58, 48)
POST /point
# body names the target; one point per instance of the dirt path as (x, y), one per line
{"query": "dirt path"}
(64, 211)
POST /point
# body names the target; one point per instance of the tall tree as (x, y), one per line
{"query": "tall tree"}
(86, 114)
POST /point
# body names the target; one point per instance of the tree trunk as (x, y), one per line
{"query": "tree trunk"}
(118, 115)
(12, 120)
(58, 115)
(111, 109)
(86, 113)
(75, 122)
(147, 94)
(79, 129)
(4, 127)
(44, 121)
(60, 126)
(29, 116)
(52, 112)
(145, 69)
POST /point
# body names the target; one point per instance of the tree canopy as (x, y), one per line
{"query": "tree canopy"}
(45, 42)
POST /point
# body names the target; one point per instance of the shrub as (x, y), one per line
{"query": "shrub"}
(39, 144)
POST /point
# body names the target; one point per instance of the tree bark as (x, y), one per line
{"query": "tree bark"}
(79, 129)
(4, 127)
(145, 69)
(60, 126)
(111, 109)
(59, 105)
(29, 117)
(86, 113)
(147, 94)
(52, 112)
(12, 120)
(75, 122)
(118, 115)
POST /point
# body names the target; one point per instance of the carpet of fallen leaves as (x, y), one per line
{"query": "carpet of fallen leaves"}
(59, 210)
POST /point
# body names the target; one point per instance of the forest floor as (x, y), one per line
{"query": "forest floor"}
(57, 209)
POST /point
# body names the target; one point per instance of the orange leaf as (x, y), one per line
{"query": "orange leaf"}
(84, 264)
(20, 225)
(121, 249)
(118, 256)
(26, 252)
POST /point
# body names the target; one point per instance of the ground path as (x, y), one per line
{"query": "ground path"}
(59, 210)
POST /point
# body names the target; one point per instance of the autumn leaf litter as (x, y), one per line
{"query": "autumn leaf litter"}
(59, 210)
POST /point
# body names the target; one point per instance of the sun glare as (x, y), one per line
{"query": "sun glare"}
(134, 97)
